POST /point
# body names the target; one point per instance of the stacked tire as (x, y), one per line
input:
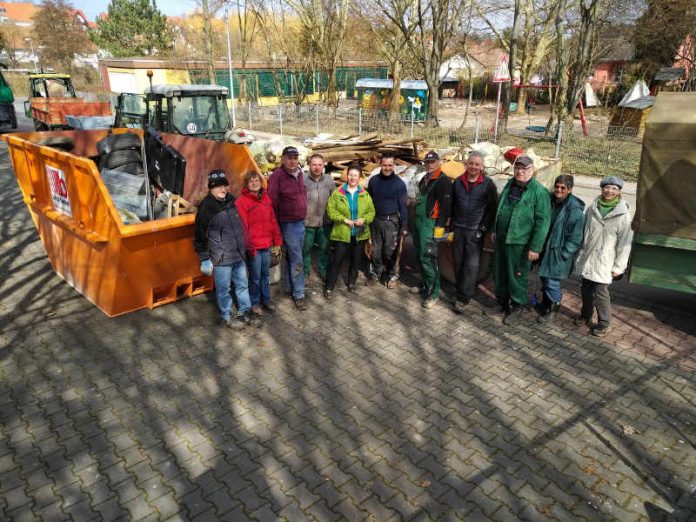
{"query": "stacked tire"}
(121, 152)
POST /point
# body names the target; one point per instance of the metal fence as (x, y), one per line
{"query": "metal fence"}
(605, 151)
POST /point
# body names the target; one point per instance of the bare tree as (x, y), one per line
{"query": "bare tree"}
(248, 26)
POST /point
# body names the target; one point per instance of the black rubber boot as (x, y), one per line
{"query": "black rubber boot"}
(543, 307)
(551, 315)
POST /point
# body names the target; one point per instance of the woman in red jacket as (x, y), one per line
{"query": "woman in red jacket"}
(255, 209)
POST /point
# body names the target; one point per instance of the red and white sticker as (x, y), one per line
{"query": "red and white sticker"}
(59, 190)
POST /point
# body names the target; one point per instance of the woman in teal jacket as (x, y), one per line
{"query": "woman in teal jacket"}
(351, 210)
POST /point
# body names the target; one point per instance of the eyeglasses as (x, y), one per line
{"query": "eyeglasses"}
(522, 167)
(562, 188)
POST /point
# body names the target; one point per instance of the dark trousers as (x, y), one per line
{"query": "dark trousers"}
(466, 251)
(385, 238)
(596, 296)
(354, 251)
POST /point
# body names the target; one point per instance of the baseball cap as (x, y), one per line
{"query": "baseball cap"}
(217, 178)
(290, 151)
(523, 160)
(432, 156)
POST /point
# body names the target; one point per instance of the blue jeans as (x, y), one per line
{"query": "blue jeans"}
(552, 289)
(259, 279)
(293, 271)
(225, 275)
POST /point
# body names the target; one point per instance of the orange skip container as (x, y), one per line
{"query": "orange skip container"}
(119, 268)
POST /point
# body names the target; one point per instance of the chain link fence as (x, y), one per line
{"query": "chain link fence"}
(604, 151)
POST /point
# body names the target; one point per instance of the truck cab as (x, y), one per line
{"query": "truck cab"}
(190, 110)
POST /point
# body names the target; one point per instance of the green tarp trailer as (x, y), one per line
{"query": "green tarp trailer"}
(664, 244)
(373, 96)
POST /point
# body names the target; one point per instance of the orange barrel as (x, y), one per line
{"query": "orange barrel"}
(118, 267)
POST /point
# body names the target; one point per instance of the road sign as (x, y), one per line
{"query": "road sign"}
(502, 73)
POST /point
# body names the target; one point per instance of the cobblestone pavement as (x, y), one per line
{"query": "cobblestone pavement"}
(368, 409)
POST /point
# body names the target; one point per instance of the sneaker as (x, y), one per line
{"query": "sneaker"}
(257, 310)
(600, 331)
(429, 302)
(249, 320)
(352, 288)
(234, 324)
(393, 282)
(460, 306)
(372, 280)
(514, 316)
(269, 307)
(301, 304)
(328, 294)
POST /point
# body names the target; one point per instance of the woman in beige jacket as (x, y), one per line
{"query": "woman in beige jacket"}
(604, 254)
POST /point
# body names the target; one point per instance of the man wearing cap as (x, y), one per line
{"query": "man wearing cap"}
(521, 224)
(430, 217)
(390, 197)
(317, 224)
(220, 244)
(563, 241)
(603, 256)
(287, 191)
(474, 202)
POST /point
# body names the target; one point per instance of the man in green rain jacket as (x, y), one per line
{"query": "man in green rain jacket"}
(521, 225)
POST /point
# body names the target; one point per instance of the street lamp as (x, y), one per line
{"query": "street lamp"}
(33, 54)
(229, 65)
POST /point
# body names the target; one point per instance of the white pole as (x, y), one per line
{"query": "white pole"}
(249, 113)
(497, 115)
(229, 66)
(478, 123)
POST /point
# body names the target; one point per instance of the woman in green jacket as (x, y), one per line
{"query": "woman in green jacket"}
(351, 210)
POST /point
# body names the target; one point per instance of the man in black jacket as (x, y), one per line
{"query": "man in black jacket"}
(220, 244)
(430, 217)
(390, 197)
(474, 203)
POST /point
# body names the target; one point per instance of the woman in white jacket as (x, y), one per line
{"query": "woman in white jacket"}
(603, 256)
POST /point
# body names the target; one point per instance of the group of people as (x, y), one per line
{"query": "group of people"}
(236, 238)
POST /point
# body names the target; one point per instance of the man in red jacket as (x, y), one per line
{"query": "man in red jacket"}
(288, 193)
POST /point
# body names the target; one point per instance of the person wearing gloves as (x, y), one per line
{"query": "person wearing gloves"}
(220, 245)
(430, 217)
(603, 256)
(521, 224)
(563, 241)
(351, 211)
(263, 233)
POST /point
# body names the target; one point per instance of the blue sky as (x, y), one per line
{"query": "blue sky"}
(92, 8)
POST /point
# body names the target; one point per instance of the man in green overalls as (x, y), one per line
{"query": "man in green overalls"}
(430, 217)
(521, 225)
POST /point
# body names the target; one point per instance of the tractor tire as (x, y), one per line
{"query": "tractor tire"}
(40, 126)
(132, 168)
(58, 142)
(119, 157)
(114, 142)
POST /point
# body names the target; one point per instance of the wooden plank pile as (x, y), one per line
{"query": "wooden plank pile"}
(366, 149)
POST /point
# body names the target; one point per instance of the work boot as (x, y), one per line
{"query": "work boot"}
(352, 288)
(301, 304)
(514, 316)
(600, 330)
(551, 315)
(269, 307)
(579, 321)
(429, 302)
(234, 324)
(497, 309)
(460, 306)
(543, 307)
(328, 294)
(257, 310)
(249, 320)
(372, 280)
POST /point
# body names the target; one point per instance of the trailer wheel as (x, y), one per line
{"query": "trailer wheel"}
(40, 126)
(119, 157)
(114, 142)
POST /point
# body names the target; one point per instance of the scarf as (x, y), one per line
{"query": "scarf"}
(607, 206)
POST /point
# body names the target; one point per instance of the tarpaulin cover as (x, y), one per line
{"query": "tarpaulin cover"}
(666, 202)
